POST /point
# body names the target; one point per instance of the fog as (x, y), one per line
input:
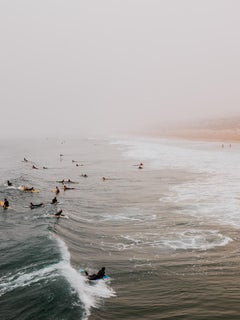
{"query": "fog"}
(102, 67)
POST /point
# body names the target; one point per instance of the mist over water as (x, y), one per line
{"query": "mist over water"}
(91, 68)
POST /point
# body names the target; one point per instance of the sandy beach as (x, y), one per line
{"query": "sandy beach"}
(223, 130)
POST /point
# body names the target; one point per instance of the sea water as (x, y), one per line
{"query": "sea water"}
(168, 234)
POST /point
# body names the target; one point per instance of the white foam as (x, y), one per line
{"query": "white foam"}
(190, 239)
(213, 192)
(128, 216)
(89, 296)
(196, 240)
(23, 279)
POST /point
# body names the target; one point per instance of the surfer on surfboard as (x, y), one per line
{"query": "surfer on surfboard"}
(54, 200)
(94, 276)
(32, 206)
(59, 214)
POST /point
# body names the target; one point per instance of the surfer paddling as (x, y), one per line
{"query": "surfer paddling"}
(33, 206)
(59, 214)
(67, 188)
(24, 188)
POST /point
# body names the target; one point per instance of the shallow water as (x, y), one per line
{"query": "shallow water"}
(167, 234)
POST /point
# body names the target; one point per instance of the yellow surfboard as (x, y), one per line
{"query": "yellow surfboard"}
(2, 205)
(34, 190)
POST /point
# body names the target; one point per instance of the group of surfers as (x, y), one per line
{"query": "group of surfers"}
(58, 214)
(95, 276)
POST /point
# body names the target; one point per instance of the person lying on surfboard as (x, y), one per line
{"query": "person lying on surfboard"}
(94, 276)
(60, 181)
(27, 189)
(67, 188)
(32, 206)
(59, 214)
(70, 181)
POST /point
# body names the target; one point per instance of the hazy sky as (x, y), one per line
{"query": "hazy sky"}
(99, 66)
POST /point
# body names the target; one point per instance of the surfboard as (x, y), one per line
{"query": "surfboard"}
(2, 205)
(62, 217)
(33, 191)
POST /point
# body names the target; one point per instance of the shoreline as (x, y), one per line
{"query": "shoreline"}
(208, 135)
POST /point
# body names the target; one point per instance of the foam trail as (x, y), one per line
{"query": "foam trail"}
(21, 279)
(90, 296)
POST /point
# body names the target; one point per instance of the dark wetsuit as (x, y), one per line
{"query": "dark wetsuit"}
(5, 204)
(28, 189)
(54, 200)
(59, 214)
(32, 206)
(99, 275)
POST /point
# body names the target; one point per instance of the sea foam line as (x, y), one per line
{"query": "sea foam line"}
(89, 295)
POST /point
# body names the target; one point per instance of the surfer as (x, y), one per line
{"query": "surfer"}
(94, 276)
(5, 204)
(34, 167)
(27, 189)
(57, 190)
(61, 181)
(9, 183)
(59, 214)
(70, 181)
(25, 160)
(32, 206)
(67, 188)
(84, 175)
(54, 200)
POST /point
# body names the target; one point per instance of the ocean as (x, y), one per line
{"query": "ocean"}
(167, 234)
